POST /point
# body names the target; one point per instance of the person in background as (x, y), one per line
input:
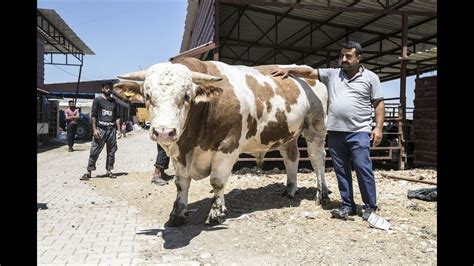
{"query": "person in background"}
(71, 115)
(161, 164)
(124, 129)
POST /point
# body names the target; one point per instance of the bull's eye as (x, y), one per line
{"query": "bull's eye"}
(186, 98)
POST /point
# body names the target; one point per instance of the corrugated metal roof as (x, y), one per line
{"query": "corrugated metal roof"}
(189, 24)
(58, 22)
(252, 39)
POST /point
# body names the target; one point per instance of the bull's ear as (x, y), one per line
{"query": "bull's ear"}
(129, 90)
(205, 93)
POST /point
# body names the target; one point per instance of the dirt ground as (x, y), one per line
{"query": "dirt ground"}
(264, 227)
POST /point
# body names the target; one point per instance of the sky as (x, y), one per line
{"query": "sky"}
(129, 35)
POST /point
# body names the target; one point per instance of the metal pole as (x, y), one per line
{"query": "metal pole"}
(402, 108)
(417, 70)
(216, 30)
(78, 83)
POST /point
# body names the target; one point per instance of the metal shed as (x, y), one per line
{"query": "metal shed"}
(311, 32)
(56, 39)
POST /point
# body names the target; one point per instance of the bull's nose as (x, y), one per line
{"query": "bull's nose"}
(164, 132)
(172, 133)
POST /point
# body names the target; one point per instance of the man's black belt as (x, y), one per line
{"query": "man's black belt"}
(106, 127)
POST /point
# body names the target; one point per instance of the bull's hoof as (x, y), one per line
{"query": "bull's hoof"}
(175, 221)
(289, 192)
(215, 220)
(216, 216)
(317, 201)
(325, 201)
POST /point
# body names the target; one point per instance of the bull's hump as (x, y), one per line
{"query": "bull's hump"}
(197, 65)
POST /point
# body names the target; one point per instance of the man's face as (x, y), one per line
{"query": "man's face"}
(348, 59)
(72, 105)
(106, 90)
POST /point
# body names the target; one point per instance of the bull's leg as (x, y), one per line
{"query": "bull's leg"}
(290, 155)
(180, 205)
(317, 155)
(221, 170)
(259, 159)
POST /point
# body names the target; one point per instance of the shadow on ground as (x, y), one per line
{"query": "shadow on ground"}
(105, 175)
(238, 202)
(41, 206)
(55, 143)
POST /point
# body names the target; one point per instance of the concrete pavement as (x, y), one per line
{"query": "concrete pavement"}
(79, 226)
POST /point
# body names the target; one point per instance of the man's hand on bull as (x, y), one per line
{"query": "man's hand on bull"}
(277, 71)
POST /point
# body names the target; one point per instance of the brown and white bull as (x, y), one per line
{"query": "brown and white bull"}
(205, 113)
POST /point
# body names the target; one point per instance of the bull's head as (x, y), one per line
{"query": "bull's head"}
(168, 91)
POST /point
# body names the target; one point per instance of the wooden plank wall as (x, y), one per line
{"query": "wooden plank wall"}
(425, 122)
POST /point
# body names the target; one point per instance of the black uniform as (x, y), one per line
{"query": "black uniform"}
(105, 112)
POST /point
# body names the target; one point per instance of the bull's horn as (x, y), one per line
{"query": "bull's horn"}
(137, 75)
(200, 77)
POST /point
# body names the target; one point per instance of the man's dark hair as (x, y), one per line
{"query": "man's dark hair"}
(71, 101)
(107, 84)
(352, 44)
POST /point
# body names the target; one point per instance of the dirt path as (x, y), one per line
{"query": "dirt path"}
(265, 228)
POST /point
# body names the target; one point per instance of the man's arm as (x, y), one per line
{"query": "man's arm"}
(379, 111)
(67, 116)
(94, 112)
(117, 122)
(301, 71)
(119, 130)
(76, 116)
(95, 132)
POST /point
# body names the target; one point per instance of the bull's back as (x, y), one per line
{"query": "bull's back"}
(255, 112)
(272, 109)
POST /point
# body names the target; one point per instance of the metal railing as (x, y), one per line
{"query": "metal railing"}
(392, 148)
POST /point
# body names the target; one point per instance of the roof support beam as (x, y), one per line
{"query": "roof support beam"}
(320, 24)
(217, 11)
(53, 36)
(377, 39)
(319, 7)
(197, 51)
(396, 49)
(274, 26)
(354, 30)
(241, 11)
(410, 72)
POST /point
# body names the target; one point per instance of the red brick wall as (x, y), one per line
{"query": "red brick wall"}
(425, 122)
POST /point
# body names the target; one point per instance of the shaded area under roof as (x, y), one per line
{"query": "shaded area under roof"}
(59, 37)
(304, 32)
